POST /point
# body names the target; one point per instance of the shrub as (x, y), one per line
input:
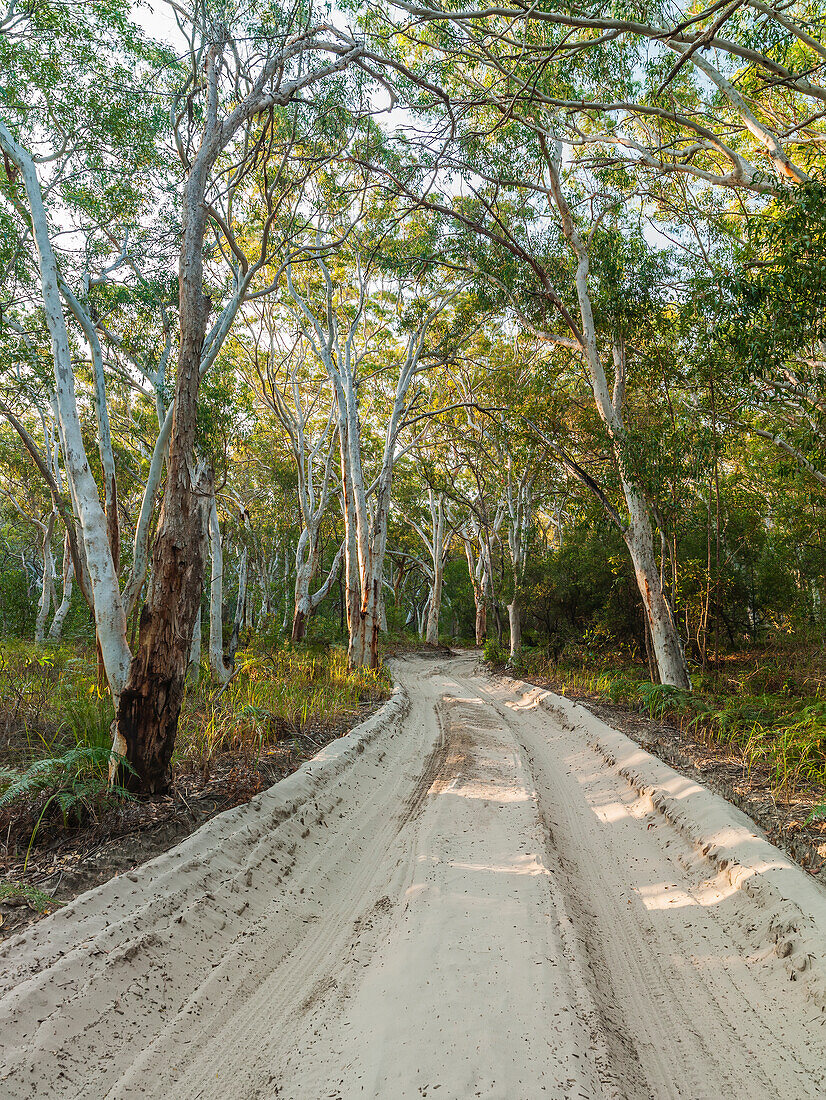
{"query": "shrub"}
(493, 654)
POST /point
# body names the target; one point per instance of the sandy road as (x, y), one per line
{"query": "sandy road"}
(466, 900)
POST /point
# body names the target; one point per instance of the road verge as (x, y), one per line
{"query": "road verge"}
(791, 906)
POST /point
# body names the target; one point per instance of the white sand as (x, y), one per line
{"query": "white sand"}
(462, 898)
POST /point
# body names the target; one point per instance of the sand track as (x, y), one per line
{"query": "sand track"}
(468, 896)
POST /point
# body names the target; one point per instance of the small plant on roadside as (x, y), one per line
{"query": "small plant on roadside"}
(37, 900)
(493, 654)
(77, 784)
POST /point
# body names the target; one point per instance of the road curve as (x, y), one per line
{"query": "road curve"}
(466, 900)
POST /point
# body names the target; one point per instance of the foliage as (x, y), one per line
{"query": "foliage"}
(701, 266)
(36, 899)
(767, 718)
(275, 695)
(493, 654)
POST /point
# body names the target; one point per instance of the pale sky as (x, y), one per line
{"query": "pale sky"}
(157, 19)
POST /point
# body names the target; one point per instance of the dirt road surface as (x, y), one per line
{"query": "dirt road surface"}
(462, 900)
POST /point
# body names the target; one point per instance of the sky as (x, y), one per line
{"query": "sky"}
(157, 19)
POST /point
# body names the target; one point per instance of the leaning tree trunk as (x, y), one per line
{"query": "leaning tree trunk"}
(665, 638)
(150, 705)
(638, 536)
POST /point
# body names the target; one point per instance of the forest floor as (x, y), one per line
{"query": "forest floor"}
(466, 897)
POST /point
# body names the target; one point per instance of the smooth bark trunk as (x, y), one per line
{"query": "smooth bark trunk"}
(110, 620)
(56, 629)
(240, 604)
(665, 637)
(217, 665)
(194, 671)
(435, 609)
(47, 587)
(515, 621)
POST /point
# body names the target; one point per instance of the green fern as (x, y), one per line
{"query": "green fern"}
(36, 899)
(81, 767)
(659, 698)
(78, 782)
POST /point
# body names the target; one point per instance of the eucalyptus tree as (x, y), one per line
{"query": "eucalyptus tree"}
(436, 532)
(730, 95)
(284, 375)
(224, 120)
(361, 330)
(530, 236)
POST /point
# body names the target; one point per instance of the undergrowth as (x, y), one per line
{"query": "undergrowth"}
(273, 696)
(769, 709)
(55, 726)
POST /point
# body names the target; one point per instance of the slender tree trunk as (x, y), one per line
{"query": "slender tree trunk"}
(194, 672)
(649, 652)
(638, 536)
(47, 587)
(665, 638)
(217, 664)
(56, 629)
(515, 622)
(476, 571)
(240, 604)
(304, 569)
(286, 584)
(110, 620)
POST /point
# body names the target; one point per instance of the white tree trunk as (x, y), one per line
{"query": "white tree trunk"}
(194, 671)
(56, 629)
(515, 622)
(638, 536)
(476, 571)
(240, 605)
(110, 620)
(217, 665)
(337, 348)
(665, 637)
(140, 545)
(435, 609)
(305, 566)
(47, 588)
